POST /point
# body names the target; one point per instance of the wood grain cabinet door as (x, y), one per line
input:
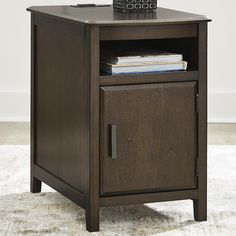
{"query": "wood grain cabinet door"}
(148, 138)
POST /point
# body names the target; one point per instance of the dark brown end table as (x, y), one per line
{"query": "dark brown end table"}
(108, 140)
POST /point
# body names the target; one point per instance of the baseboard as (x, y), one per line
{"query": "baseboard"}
(222, 107)
(14, 106)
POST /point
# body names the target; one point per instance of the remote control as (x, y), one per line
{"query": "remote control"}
(91, 5)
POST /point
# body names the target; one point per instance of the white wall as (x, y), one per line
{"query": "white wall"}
(15, 55)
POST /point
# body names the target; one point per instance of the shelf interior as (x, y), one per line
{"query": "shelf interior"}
(186, 46)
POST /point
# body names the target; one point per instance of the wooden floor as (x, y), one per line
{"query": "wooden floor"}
(19, 133)
(14, 133)
(222, 134)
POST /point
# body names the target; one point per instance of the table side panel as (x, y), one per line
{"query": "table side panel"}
(61, 91)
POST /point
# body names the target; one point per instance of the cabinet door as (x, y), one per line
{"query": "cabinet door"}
(148, 138)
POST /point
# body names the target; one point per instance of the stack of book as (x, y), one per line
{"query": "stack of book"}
(144, 62)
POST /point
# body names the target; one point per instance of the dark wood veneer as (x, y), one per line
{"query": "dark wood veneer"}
(107, 140)
(153, 130)
(148, 32)
(132, 199)
(149, 78)
(105, 16)
(61, 123)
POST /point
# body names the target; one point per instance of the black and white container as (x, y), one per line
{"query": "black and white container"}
(134, 5)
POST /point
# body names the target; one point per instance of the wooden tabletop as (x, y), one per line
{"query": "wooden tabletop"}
(106, 15)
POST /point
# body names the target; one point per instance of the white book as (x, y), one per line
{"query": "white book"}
(145, 57)
(143, 68)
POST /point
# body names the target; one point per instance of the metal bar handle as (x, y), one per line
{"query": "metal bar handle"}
(113, 144)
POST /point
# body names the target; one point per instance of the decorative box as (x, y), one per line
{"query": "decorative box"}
(134, 5)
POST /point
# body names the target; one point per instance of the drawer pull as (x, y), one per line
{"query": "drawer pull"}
(113, 148)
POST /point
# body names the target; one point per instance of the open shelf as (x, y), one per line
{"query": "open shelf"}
(188, 47)
(175, 76)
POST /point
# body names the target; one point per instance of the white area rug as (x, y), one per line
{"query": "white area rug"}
(49, 213)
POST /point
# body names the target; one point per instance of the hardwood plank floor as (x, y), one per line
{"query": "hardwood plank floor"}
(222, 134)
(14, 133)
